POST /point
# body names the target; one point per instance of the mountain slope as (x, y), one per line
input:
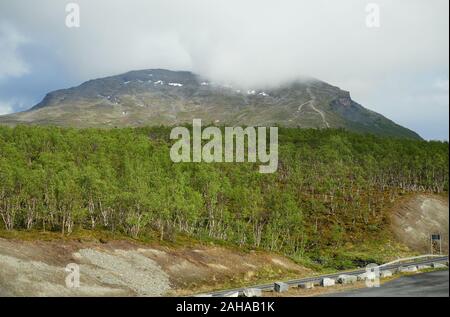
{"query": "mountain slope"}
(154, 97)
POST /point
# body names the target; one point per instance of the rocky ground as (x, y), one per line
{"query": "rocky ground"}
(118, 268)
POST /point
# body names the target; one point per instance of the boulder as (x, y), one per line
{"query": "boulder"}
(412, 268)
(362, 277)
(306, 285)
(407, 269)
(317, 282)
(347, 279)
(438, 266)
(327, 282)
(280, 287)
(423, 267)
(252, 292)
(367, 276)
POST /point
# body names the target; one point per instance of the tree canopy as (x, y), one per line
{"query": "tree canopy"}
(331, 186)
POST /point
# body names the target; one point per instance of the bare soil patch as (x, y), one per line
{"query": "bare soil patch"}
(414, 218)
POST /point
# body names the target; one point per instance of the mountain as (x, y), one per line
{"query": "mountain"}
(163, 97)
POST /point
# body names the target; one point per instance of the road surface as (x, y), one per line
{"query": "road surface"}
(296, 282)
(432, 284)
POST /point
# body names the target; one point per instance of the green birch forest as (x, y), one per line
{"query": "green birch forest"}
(332, 187)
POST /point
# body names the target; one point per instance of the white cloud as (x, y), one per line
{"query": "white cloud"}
(442, 84)
(251, 43)
(5, 108)
(11, 64)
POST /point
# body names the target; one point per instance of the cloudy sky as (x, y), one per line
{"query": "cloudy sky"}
(399, 69)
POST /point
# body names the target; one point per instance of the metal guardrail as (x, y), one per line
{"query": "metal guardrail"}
(428, 259)
(413, 259)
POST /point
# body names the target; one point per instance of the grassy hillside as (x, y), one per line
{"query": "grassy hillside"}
(325, 204)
